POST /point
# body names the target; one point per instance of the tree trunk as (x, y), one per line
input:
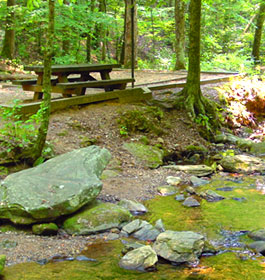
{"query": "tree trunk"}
(128, 35)
(180, 34)
(46, 104)
(191, 97)
(103, 33)
(258, 33)
(9, 39)
(66, 35)
(89, 37)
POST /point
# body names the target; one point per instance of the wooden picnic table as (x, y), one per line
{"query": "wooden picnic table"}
(67, 86)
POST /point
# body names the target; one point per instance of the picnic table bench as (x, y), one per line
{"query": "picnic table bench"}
(73, 85)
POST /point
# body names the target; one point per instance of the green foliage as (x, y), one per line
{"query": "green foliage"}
(145, 119)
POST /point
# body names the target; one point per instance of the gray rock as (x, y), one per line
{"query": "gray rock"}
(136, 208)
(197, 170)
(148, 156)
(141, 230)
(179, 246)
(211, 196)
(258, 235)
(96, 217)
(243, 164)
(143, 258)
(131, 246)
(258, 149)
(235, 140)
(167, 190)
(174, 181)
(258, 246)
(225, 189)
(180, 197)
(160, 225)
(2, 262)
(196, 182)
(190, 190)
(60, 186)
(191, 202)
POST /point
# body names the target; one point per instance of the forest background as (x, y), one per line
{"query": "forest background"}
(98, 31)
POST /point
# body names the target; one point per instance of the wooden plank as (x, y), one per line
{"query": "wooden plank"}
(125, 96)
(94, 84)
(74, 68)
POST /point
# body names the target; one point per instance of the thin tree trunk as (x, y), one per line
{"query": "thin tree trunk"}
(46, 104)
(180, 34)
(128, 35)
(66, 41)
(89, 37)
(8, 49)
(258, 33)
(103, 34)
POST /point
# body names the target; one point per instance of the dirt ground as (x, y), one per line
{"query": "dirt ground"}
(72, 128)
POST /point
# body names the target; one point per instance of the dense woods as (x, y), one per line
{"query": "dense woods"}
(100, 30)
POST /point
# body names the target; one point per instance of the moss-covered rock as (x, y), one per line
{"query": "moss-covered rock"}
(149, 156)
(96, 217)
(45, 229)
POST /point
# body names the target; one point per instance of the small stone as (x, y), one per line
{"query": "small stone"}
(179, 197)
(135, 207)
(258, 235)
(196, 182)
(211, 196)
(191, 202)
(113, 236)
(84, 258)
(225, 189)
(160, 225)
(258, 246)
(190, 190)
(240, 199)
(174, 181)
(131, 246)
(167, 190)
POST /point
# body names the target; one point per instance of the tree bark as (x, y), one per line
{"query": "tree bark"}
(46, 104)
(103, 33)
(128, 35)
(180, 34)
(89, 37)
(258, 33)
(8, 49)
(191, 96)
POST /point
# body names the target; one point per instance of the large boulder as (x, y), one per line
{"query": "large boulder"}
(148, 156)
(243, 164)
(96, 217)
(179, 246)
(142, 259)
(60, 186)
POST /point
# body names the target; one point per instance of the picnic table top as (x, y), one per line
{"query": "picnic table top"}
(73, 67)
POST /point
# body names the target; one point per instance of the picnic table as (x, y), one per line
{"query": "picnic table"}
(67, 86)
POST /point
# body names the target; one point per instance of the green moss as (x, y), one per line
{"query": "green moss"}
(45, 229)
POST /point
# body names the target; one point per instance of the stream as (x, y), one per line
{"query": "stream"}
(224, 223)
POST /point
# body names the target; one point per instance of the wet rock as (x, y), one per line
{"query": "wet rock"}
(180, 197)
(235, 140)
(2, 262)
(159, 225)
(136, 208)
(59, 186)
(197, 170)
(240, 199)
(225, 189)
(82, 258)
(258, 246)
(191, 202)
(243, 164)
(131, 246)
(190, 190)
(211, 196)
(196, 182)
(258, 235)
(96, 217)
(141, 230)
(174, 181)
(179, 246)
(142, 259)
(148, 156)
(45, 229)
(209, 249)
(167, 190)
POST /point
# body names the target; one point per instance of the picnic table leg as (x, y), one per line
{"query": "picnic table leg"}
(38, 95)
(106, 76)
(63, 79)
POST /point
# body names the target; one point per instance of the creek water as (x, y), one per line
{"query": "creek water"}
(224, 223)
